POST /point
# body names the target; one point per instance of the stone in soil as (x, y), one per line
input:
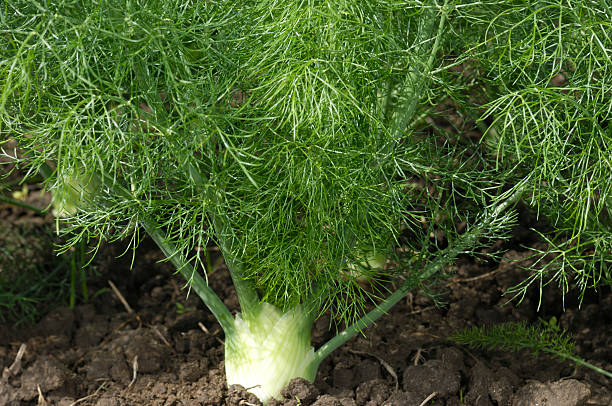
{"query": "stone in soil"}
(568, 392)
(301, 389)
(432, 376)
(46, 373)
(486, 385)
(372, 393)
(238, 396)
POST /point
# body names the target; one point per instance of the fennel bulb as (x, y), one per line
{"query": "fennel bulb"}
(368, 262)
(269, 348)
(74, 193)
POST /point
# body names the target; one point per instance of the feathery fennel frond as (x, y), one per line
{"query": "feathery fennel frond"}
(544, 337)
(517, 336)
(277, 107)
(543, 89)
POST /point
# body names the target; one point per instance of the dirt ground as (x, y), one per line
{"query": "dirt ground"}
(161, 348)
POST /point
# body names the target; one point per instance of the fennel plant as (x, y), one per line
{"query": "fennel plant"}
(296, 136)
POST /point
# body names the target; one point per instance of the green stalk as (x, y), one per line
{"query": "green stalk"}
(582, 362)
(83, 273)
(208, 296)
(245, 296)
(73, 276)
(19, 203)
(415, 81)
(445, 257)
(248, 298)
(77, 271)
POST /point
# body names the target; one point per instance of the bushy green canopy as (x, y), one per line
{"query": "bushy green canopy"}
(286, 131)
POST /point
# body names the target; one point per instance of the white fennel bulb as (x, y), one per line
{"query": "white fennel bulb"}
(74, 193)
(268, 349)
(368, 261)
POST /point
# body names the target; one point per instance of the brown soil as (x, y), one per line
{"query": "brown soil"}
(168, 349)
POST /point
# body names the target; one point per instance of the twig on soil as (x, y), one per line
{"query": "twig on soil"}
(128, 321)
(89, 396)
(161, 337)
(428, 398)
(418, 356)
(134, 371)
(126, 305)
(423, 310)
(120, 297)
(41, 399)
(206, 331)
(421, 334)
(203, 328)
(475, 278)
(16, 365)
(384, 363)
(410, 301)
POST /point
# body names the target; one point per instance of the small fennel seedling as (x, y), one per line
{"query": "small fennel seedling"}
(544, 337)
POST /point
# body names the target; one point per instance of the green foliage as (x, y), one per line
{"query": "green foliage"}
(292, 134)
(544, 337)
(32, 281)
(539, 76)
(283, 110)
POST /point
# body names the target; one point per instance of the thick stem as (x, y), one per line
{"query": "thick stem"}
(270, 349)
